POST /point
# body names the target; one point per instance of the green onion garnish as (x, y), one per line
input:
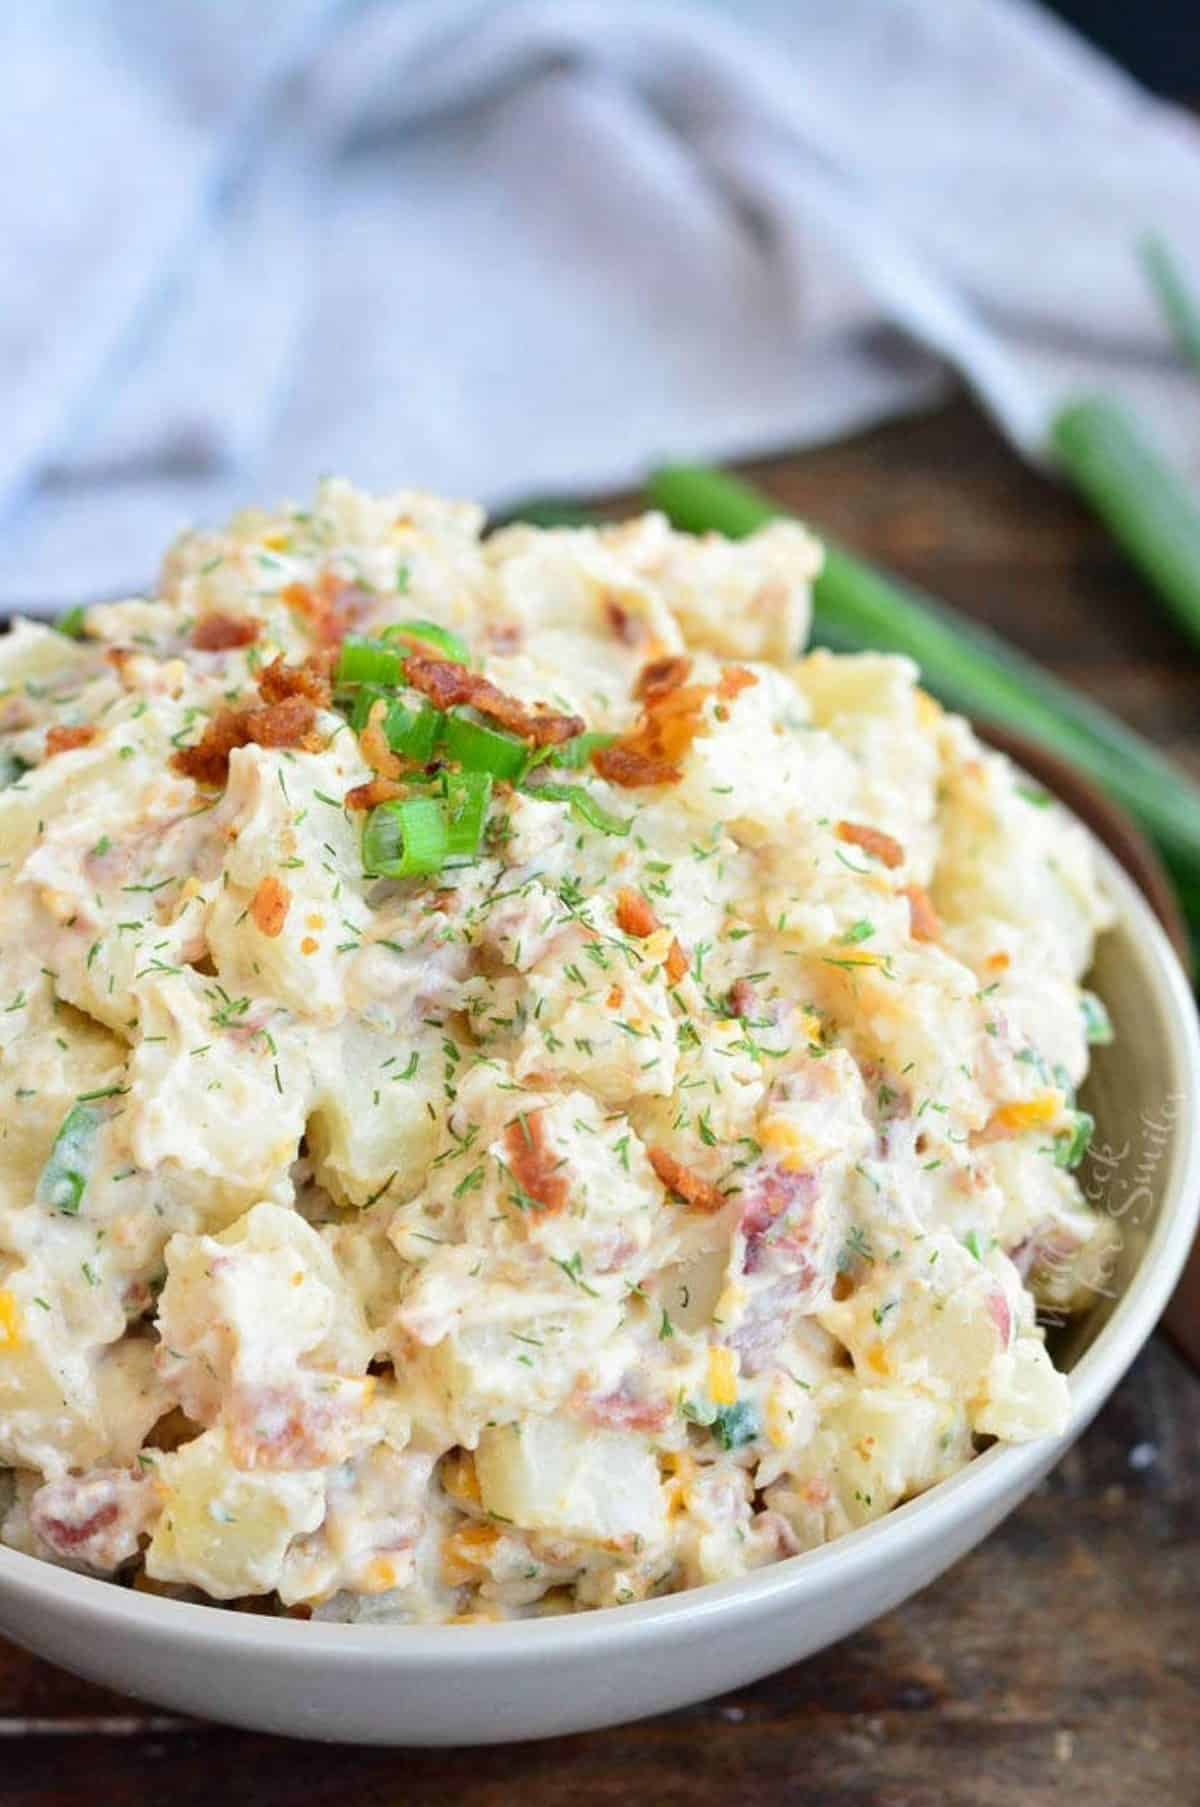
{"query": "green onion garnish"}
(547, 512)
(584, 807)
(576, 754)
(477, 748)
(438, 639)
(736, 1424)
(365, 699)
(413, 732)
(467, 795)
(1070, 1145)
(368, 662)
(71, 624)
(1097, 1024)
(408, 839)
(63, 1179)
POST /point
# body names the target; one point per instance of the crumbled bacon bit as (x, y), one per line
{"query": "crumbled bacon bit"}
(625, 627)
(734, 679)
(223, 633)
(629, 764)
(332, 608)
(677, 963)
(623, 1409)
(277, 681)
(741, 998)
(378, 790)
(923, 918)
(534, 1166)
(290, 723)
(634, 914)
(62, 740)
(269, 907)
(446, 684)
(373, 743)
(873, 841)
(662, 675)
(701, 1194)
(671, 719)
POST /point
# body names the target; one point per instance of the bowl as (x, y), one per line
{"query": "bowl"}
(494, 1683)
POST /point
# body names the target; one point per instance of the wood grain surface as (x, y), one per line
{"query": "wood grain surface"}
(1059, 1663)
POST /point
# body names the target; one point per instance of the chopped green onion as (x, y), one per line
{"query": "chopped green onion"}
(1070, 1145)
(576, 754)
(1180, 307)
(71, 624)
(1145, 505)
(584, 807)
(440, 639)
(64, 1177)
(407, 839)
(412, 732)
(365, 699)
(11, 768)
(970, 668)
(1097, 1024)
(467, 796)
(478, 748)
(368, 662)
(735, 1424)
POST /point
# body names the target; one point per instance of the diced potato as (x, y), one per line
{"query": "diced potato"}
(247, 1308)
(224, 1530)
(548, 1474)
(1026, 1395)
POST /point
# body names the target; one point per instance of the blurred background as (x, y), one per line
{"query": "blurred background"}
(503, 246)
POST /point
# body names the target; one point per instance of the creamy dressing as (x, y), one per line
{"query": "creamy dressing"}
(613, 1213)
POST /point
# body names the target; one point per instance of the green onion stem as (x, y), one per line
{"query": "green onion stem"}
(72, 623)
(1180, 307)
(1143, 503)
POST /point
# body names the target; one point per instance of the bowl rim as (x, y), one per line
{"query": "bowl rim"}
(1002, 1472)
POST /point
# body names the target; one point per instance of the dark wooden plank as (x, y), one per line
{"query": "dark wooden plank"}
(1058, 1662)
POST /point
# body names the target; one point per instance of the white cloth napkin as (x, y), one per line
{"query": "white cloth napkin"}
(537, 245)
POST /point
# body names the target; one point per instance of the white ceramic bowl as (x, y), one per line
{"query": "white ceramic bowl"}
(476, 1684)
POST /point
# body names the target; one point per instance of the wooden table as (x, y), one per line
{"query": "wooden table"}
(1060, 1663)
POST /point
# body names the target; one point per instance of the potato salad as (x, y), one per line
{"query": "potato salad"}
(521, 1090)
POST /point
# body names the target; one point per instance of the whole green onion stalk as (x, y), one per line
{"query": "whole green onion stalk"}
(969, 668)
